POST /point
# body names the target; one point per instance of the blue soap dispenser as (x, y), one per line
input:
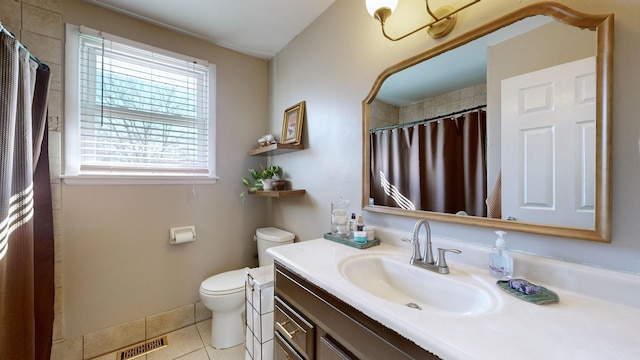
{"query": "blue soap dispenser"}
(500, 260)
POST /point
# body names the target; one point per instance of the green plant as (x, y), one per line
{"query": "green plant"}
(271, 172)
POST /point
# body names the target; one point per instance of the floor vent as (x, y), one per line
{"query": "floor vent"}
(142, 348)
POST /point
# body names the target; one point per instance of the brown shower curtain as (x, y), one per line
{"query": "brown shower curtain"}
(26, 222)
(438, 165)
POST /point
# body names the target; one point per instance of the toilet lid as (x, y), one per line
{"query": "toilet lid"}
(225, 283)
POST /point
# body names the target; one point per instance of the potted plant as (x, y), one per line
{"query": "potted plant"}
(261, 178)
(278, 183)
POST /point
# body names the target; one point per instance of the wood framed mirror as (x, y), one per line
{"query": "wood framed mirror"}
(535, 180)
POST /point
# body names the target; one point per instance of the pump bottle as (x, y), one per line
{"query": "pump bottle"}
(500, 260)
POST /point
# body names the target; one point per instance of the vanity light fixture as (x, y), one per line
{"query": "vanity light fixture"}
(443, 20)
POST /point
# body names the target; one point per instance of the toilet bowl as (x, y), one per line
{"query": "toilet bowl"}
(224, 294)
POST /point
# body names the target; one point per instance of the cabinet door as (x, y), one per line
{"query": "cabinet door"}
(328, 350)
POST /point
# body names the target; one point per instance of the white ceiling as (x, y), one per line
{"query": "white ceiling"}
(259, 28)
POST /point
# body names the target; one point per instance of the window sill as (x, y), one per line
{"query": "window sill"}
(136, 180)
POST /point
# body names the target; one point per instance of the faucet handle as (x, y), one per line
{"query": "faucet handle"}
(415, 256)
(443, 268)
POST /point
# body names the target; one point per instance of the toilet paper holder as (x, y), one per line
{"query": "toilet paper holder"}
(179, 235)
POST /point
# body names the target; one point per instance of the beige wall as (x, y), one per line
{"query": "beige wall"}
(118, 264)
(333, 64)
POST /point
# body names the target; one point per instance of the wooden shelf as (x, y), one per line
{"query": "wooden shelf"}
(278, 193)
(275, 149)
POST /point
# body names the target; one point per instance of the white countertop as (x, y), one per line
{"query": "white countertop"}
(581, 326)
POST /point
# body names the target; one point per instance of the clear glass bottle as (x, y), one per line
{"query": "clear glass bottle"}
(340, 218)
(500, 260)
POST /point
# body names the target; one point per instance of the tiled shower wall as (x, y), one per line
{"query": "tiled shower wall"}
(383, 114)
(38, 26)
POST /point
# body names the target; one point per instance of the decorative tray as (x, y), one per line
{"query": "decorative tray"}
(545, 296)
(349, 241)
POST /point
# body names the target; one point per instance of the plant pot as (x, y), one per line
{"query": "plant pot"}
(267, 184)
(279, 184)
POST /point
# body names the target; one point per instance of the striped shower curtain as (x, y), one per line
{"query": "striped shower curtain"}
(26, 231)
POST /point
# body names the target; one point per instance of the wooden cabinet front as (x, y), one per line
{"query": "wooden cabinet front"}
(339, 332)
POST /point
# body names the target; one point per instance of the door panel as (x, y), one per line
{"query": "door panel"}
(548, 140)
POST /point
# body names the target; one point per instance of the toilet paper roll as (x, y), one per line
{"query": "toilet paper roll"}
(182, 235)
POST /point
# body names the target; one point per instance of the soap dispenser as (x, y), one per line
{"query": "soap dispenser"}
(500, 261)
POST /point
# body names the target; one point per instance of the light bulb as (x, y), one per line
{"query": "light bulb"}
(373, 5)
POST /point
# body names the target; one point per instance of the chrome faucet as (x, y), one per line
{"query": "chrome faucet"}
(425, 260)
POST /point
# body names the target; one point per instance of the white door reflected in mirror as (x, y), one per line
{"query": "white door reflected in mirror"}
(548, 141)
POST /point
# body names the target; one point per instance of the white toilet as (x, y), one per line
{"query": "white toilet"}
(224, 294)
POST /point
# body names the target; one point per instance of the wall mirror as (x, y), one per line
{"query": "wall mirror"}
(529, 164)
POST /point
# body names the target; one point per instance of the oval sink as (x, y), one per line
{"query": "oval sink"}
(404, 284)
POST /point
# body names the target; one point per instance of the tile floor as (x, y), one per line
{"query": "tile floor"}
(190, 343)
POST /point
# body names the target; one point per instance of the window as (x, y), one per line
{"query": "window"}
(135, 113)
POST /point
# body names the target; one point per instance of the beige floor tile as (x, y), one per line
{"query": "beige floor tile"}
(200, 354)
(169, 321)
(181, 342)
(234, 353)
(204, 329)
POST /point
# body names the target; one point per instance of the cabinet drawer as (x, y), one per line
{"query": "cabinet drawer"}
(283, 349)
(294, 328)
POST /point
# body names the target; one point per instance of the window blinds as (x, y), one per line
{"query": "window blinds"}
(141, 111)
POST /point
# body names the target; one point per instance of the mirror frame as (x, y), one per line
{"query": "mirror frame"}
(603, 25)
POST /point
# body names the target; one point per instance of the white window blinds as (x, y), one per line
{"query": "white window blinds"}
(141, 112)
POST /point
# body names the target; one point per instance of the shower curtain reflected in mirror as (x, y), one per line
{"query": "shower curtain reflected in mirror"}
(26, 224)
(438, 165)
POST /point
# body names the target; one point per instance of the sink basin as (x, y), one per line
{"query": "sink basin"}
(399, 282)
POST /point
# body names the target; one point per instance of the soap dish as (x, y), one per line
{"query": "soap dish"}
(349, 241)
(545, 296)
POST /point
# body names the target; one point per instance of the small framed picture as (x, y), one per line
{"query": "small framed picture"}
(292, 124)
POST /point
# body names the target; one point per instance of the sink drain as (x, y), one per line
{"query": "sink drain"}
(414, 306)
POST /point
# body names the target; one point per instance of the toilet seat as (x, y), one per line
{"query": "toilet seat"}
(226, 283)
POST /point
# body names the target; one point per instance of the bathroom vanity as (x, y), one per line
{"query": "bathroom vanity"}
(313, 324)
(337, 302)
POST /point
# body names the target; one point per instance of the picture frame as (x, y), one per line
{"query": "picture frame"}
(292, 124)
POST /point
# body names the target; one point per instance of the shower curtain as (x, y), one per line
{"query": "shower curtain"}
(438, 165)
(26, 222)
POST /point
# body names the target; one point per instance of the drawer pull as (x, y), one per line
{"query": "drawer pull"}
(285, 331)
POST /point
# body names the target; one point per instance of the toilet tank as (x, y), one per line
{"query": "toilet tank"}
(268, 237)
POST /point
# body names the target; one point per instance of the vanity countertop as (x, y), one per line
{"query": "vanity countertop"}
(580, 326)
